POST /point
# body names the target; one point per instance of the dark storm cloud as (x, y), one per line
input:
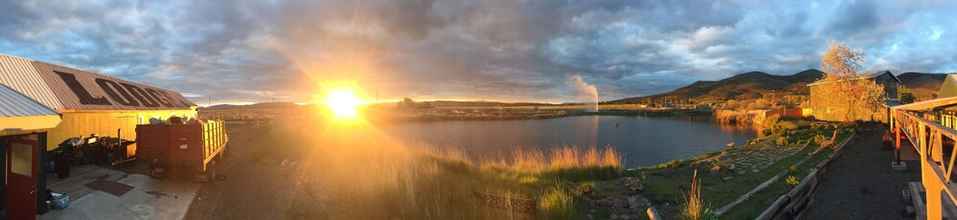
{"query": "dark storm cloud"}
(490, 49)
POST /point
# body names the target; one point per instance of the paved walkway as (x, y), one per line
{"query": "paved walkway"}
(861, 184)
(146, 197)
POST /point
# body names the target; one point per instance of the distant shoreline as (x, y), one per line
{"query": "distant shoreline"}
(546, 115)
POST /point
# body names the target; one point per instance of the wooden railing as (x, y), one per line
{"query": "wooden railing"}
(935, 144)
(214, 139)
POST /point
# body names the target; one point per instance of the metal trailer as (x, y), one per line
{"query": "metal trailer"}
(189, 149)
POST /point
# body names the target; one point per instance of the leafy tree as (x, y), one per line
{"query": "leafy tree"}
(844, 87)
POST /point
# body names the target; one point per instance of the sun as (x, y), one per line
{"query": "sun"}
(343, 103)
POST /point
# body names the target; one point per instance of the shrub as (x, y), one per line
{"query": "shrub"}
(803, 124)
(787, 125)
(557, 203)
(669, 164)
(819, 139)
(781, 141)
(792, 181)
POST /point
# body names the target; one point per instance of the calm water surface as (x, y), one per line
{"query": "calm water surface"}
(643, 140)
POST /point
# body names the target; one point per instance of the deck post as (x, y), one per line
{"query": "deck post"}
(897, 146)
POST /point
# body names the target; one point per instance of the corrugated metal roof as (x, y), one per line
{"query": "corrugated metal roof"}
(15, 104)
(19, 74)
(66, 89)
(115, 93)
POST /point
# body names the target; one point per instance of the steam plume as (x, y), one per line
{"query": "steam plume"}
(586, 91)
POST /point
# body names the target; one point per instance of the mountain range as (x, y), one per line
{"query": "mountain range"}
(753, 84)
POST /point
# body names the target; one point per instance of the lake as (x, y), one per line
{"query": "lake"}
(642, 141)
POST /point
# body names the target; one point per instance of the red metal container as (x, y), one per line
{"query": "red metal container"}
(189, 149)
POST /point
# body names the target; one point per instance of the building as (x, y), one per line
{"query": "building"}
(926, 129)
(23, 125)
(90, 103)
(948, 88)
(824, 105)
(43, 104)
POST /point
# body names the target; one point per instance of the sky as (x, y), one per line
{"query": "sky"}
(226, 51)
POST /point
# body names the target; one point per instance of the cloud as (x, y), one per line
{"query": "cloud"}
(239, 51)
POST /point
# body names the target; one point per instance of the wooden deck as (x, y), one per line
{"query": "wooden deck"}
(920, 123)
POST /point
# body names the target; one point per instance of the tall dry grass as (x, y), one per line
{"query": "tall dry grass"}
(564, 158)
(359, 174)
(695, 208)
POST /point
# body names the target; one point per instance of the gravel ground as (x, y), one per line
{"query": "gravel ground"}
(251, 188)
(861, 184)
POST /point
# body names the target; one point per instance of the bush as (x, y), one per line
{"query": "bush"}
(803, 124)
(781, 141)
(819, 139)
(669, 164)
(557, 203)
(787, 125)
(792, 181)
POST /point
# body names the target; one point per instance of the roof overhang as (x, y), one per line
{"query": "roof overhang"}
(927, 105)
(25, 123)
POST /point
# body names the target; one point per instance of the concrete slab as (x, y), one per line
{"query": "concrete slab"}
(149, 199)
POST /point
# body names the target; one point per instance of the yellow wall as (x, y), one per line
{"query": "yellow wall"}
(105, 123)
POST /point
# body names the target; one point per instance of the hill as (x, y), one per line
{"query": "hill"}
(261, 105)
(741, 86)
(923, 85)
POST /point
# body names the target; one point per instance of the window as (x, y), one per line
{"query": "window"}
(21, 156)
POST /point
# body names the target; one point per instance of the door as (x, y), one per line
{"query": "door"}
(22, 177)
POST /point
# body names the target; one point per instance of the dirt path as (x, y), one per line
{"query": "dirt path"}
(253, 187)
(861, 184)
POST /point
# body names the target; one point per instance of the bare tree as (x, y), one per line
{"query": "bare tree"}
(845, 83)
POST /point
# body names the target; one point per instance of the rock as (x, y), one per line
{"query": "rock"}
(633, 183)
(636, 202)
(585, 189)
(621, 203)
(607, 203)
(715, 168)
(755, 170)
(726, 178)
(613, 216)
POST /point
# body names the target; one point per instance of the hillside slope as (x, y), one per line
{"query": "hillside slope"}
(741, 86)
(923, 85)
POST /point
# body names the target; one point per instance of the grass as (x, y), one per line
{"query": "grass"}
(666, 182)
(557, 203)
(759, 202)
(356, 173)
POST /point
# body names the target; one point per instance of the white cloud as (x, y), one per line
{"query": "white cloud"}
(461, 48)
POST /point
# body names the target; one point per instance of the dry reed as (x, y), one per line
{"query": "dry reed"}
(537, 161)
